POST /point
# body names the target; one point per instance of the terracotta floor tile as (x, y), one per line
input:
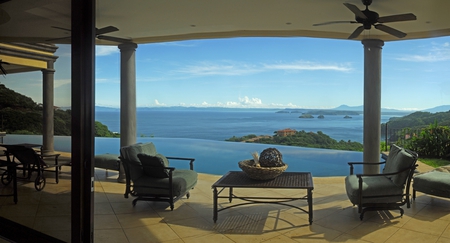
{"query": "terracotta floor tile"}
(334, 217)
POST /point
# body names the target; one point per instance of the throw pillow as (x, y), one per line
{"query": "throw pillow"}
(154, 165)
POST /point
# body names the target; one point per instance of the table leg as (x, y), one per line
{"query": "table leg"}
(310, 206)
(215, 204)
(231, 194)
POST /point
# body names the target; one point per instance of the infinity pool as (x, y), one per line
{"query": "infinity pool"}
(217, 157)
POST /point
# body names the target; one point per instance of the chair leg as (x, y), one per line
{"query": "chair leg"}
(361, 215)
(14, 178)
(57, 168)
(134, 202)
(171, 204)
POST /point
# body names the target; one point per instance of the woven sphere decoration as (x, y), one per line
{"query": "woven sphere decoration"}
(271, 157)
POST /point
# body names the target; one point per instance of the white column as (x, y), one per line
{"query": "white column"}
(372, 103)
(127, 98)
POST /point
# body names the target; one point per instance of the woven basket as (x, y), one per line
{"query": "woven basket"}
(260, 173)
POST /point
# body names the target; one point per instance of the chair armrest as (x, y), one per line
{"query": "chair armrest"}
(157, 167)
(43, 156)
(362, 163)
(191, 161)
(387, 174)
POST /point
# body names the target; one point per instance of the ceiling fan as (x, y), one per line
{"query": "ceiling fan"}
(99, 34)
(2, 69)
(368, 18)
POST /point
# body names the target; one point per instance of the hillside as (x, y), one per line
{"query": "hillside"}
(19, 114)
(419, 119)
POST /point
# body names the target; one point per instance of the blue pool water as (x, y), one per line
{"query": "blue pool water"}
(218, 157)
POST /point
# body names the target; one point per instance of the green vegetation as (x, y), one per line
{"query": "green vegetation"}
(433, 162)
(302, 139)
(101, 130)
(19, 114)
(426, 133)
(429, 142)
(241, 139)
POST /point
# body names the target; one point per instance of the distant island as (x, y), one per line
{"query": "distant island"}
(301, 139)
(347, 117)
(321, 117)
(321, 112)
(306, 116)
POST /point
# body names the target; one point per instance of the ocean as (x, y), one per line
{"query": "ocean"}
(223, 124)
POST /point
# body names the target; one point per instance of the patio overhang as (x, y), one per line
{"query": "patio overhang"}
(24, 57)
(161, 21)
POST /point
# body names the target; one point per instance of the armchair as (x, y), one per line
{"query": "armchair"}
(149, 177)
(386, 191)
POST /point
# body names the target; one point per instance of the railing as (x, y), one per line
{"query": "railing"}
(398, 135)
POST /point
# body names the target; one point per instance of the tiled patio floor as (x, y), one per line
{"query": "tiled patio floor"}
(335, 219)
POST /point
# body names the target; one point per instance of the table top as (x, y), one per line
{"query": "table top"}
(292, 180)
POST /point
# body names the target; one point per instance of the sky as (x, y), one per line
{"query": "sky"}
(260, 73)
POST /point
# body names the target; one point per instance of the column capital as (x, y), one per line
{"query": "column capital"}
(372, 43)
(48, 70)
(127, 46)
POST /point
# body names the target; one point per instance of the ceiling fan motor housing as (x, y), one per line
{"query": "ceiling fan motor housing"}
(367, 2)
(372, 18)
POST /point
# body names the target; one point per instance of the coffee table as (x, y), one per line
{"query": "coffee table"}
(287, 180)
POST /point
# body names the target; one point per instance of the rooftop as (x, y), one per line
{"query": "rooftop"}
(335, 219)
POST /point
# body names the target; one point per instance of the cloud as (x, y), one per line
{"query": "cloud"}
(250, 101)
(159, 104)
(177, 43)
(437, 53)
(226, 68)
(106, 50)
(309, 66)
(62, 82)
(230, 68)
(106, 80)
(242, 102)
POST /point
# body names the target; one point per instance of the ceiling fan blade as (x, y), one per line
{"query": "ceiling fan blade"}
(396, 18)
(3, 70)
(356, 32)
(61, 28)
(336, 22)
(112, 38)
(4, 16)
(355, 10)
(104, 30)
(391, 31)
(60, 38)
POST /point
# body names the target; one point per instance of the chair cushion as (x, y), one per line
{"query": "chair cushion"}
(434, 183)
(183, 181)
(107, 161)
(129, 155)
(398, 159)
(373, 186)
(154, 165)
